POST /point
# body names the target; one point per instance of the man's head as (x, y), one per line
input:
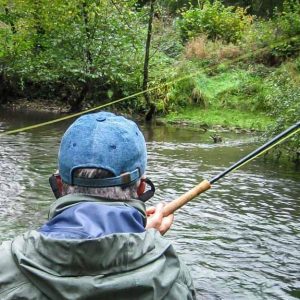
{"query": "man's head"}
(100, 151)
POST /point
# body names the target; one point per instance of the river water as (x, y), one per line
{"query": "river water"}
(241, 239)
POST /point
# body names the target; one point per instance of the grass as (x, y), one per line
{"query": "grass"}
(231, 98)
(229, 118)
(213, 86)
(230, 88)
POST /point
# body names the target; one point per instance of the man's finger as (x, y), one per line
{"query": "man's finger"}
(166, 224)
(150, 210)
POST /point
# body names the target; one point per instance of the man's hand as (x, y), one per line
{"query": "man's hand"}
(155, 219)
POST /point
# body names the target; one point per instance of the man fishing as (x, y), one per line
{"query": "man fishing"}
(100, 241)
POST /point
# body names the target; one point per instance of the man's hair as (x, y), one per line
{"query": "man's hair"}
(116, 192)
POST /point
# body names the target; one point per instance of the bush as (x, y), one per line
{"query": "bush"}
(287, 29)
(284, 101)
(216, 21)
(182, 90)
(209, 51)
(197, 48)
(76, 51)
(281, 34)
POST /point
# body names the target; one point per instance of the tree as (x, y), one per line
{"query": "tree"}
(75, 50)
(146, 63)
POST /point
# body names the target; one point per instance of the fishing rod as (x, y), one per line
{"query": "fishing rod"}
(203, 186)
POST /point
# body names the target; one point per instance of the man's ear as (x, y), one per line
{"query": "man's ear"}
(56, 185)
(145, 194)
(141, 188)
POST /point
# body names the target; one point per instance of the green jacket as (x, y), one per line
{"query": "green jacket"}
(117, 266)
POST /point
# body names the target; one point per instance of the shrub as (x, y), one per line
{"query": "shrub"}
(229, 51)
(287, 29)
(281, 34)
(185, 92)
(197, 48)
(216, 21)
(182, 90)
(284, 101)
(200, 48)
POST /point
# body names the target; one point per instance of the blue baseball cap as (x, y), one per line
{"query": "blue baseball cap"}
(103, 140)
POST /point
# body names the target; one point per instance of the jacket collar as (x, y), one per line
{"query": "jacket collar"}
(73, 199)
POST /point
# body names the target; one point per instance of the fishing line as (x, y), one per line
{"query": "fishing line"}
(72, 115)
(204, 185)
(209, 68)
(119, 100)
(266, 150)
(261, 150)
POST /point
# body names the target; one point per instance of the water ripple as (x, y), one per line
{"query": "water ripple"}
(241, 239)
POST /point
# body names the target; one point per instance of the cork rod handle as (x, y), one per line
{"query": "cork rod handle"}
(172, 206)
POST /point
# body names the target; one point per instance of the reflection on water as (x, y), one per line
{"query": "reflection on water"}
(241, 239)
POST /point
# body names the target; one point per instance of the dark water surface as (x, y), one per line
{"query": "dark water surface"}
(241, 239)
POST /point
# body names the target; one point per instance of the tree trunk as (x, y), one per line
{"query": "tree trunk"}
(40, 31)
(146, 64)
(11, 23)
(88, 54)
(76, 101)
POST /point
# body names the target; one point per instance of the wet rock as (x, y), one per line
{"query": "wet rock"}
(217, 138)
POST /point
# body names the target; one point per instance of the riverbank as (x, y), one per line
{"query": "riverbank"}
(214, 120)
(194, 117)
(220, 118)
(38, 105)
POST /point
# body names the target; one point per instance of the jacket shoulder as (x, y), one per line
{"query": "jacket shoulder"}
(13, 284)
(181, 287)
(183, 284)
(9, 272)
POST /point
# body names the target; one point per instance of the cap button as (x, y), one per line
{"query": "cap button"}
(101, 119)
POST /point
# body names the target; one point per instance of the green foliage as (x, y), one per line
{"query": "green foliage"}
(262, 8)
(216, 21)
(281, 34)
(182, 90)
(73, 50)
(166, 39)
(284, 101)
(287, 22)
(225, 88)
(174, 6)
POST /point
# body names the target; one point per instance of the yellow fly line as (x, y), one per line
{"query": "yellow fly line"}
(267, 149)
(69, 116)
(204, 185)
(209, 68)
